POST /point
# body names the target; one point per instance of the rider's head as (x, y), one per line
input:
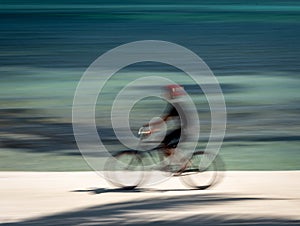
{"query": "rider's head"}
(174, 91)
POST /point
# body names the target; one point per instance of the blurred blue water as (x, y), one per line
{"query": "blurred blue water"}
(253, 48)
(235, 37)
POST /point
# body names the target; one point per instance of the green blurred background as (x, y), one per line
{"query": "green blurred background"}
(253, 49)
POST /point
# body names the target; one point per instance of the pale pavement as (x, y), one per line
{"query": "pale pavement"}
(84, 198)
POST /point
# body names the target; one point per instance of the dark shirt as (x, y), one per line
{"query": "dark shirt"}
(176, 110)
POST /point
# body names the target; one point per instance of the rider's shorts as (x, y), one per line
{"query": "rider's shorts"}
(172, 138)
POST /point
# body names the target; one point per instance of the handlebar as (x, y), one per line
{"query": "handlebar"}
(143, 131)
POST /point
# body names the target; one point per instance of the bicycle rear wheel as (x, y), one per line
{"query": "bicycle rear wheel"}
(203, 170)
(124, 170)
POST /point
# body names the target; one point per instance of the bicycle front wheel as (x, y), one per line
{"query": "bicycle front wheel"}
(203, 170)
(124, 170)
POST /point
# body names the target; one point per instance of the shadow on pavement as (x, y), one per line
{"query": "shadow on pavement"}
(135, 190)
(168, 210)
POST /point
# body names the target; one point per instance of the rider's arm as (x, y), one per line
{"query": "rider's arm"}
(158, 122)
(170, 111)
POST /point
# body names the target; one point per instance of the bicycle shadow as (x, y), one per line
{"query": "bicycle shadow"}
(96, 191)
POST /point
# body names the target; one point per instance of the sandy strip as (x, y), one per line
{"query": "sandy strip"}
(84, 198)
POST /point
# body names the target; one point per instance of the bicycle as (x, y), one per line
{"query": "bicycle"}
(128, 169)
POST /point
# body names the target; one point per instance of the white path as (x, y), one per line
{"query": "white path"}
(84, 198)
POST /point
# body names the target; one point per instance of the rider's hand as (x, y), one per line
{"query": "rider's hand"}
(143, 131)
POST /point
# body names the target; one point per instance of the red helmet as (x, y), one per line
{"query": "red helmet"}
(175, 90)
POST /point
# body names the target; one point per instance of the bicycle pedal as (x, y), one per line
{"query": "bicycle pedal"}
(177, 174)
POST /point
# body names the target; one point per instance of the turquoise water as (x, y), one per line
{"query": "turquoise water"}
(253, 49)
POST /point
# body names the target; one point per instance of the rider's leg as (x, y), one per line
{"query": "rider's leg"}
(169, 147)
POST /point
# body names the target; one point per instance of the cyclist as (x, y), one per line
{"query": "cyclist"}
(174, 113)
